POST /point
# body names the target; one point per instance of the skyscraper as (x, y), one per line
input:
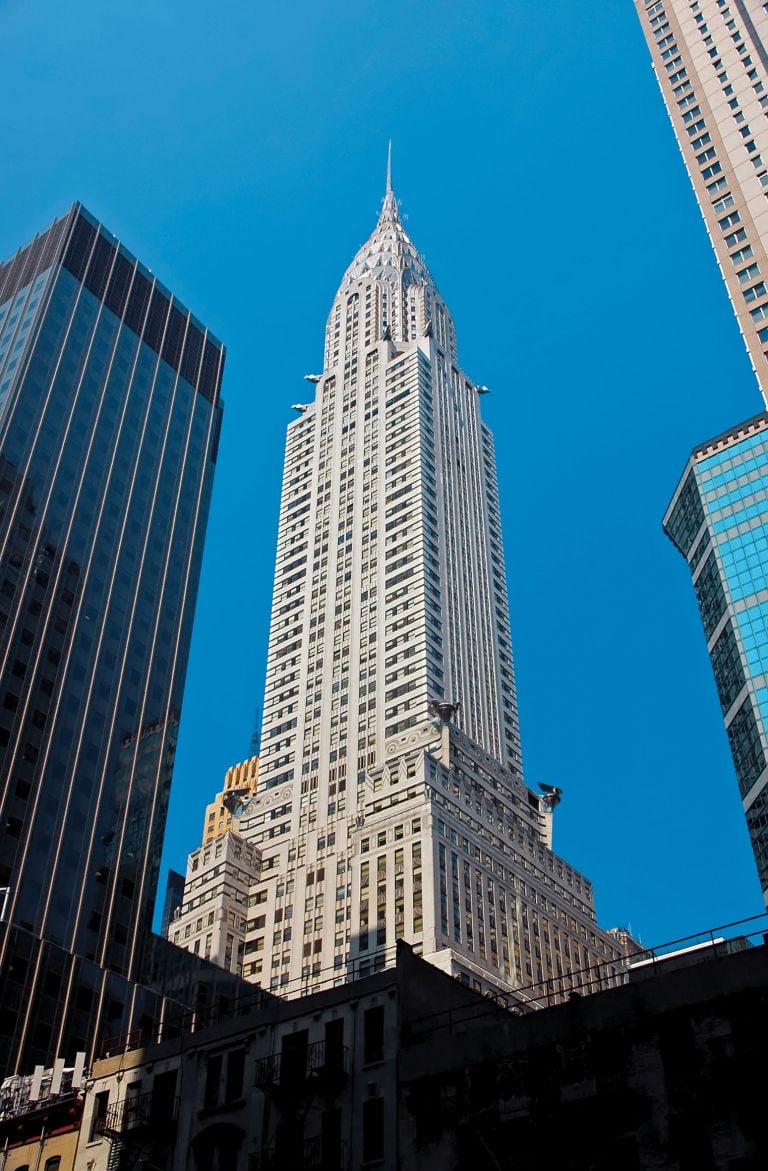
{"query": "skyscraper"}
(391, 800)
(240, 782)
(718, 519)
(711, 62)
(210, 919)
(174, 896)
(109, 423)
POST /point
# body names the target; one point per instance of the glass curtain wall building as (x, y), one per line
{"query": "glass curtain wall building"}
(109, 423)
(718, 519)
(391, 801)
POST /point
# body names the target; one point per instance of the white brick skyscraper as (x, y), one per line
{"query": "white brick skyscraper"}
(391, 801)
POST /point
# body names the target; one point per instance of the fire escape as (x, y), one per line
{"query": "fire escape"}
(299, 1077)
(140, 1127)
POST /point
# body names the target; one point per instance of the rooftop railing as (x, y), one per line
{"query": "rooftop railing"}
(713, 944)
(532, 997)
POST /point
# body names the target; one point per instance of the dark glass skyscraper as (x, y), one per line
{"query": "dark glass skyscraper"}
(109, 422)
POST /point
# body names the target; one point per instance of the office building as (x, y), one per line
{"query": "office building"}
(240, 783)
(718, 519)
(210, 921)
(210, 918)
(711, 62)
(391, 803)
(109, 425)
(174, 896)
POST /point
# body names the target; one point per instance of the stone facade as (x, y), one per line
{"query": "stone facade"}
(391, 802)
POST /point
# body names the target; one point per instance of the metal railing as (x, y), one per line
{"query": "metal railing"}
(647, 962)
(123, 1043)
(16, 1103)
(321, 1060)
(312, 1155)
(188, 1023)
(531, 997)
(136, 1111)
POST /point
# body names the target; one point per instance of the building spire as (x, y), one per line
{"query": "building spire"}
(389, 206)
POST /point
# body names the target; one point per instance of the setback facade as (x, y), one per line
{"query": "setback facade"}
(210, 921)
(391, 803)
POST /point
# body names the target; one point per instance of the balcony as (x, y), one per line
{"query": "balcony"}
(141, 1111)
(312, 1155)
(321, 1066)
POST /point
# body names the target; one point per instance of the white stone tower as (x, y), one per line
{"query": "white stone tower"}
(391, 802)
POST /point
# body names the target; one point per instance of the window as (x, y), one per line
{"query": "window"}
(746, 748)
(735, 238)
(53, 1164)
(163, 1097)
(331, 1145)
(220, 1088)
(373, 1129)
(756, 291)
(213, 1080)
(235, 1068)
(746, 274)
(99, 1115)
(373, 1035)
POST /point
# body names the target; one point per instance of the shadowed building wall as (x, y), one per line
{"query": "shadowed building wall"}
(109, 423)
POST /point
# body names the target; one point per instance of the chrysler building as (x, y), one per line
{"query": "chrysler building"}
(390, 800)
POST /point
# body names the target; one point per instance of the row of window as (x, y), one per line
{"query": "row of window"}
(755, 293)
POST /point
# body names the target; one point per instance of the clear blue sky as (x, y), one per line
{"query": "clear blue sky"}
(239, 150)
